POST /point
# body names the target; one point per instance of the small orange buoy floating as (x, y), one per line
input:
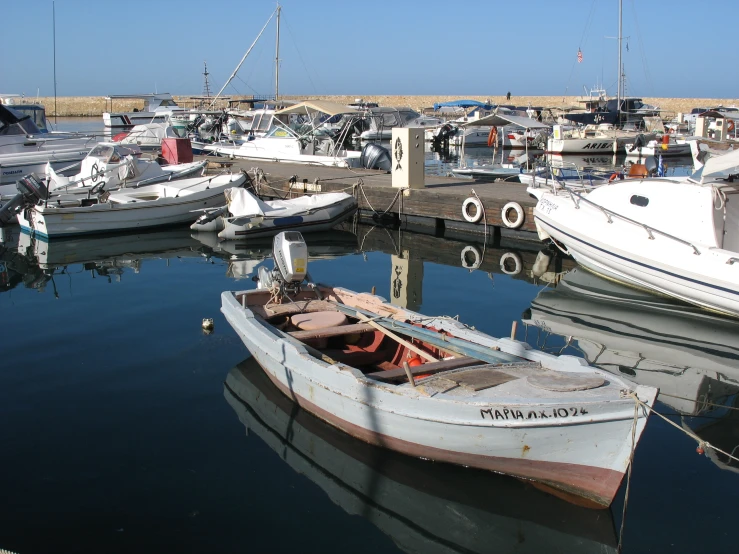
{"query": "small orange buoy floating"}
(415, 361)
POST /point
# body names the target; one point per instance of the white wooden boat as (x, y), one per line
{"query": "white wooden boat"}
(489, 403)
(424, 507)
(678, 237)
(668, 145)
(247, 216)
(170, 203)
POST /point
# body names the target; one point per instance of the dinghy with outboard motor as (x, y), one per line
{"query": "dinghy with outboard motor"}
(246, 216)
(434, 388)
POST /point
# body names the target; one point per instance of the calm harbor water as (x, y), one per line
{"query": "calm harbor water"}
(126, 428)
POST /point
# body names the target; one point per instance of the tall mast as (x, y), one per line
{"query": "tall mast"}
(620, 38)
(277, 56)
(53, 27)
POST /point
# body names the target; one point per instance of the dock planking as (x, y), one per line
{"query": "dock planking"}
(438, 205)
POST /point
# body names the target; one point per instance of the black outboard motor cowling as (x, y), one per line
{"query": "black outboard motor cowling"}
(30, 191)
(375, 156)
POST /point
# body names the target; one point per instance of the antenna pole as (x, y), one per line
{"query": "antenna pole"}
(53, 24)
(277, 56)
(620, 38)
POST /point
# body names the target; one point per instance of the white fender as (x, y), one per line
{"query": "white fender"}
(516, 261)
(473, 253)
(472, 217)
(512, 223)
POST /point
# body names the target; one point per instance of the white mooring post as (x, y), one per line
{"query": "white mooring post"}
(406, 151)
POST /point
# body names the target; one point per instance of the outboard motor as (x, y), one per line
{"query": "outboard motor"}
(290, 254)
(30, 190)
(375, 156)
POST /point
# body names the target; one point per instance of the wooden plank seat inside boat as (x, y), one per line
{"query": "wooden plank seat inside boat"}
(431, 368)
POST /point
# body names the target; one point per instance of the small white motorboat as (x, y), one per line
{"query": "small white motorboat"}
(169, 203)
(158, 107)
(117, 166)
(673, 236)
(668, 145)
(357, 362)
(247, 216)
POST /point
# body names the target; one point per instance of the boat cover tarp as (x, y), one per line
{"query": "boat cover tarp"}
(312, 106)
(241, 203)
(721, 166)
(501, 120)
(463, 104)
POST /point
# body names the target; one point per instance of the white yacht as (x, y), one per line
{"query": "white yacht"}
(382, 120)
(674, 236)
(25, 149)
(157, 108)
(297, 135)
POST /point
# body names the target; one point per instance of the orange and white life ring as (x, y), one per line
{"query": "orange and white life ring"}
(730, 126)
(672, 131)
(493, 136)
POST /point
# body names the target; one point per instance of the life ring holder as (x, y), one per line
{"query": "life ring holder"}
(493, 136)
(474, 252)
(477, 214)
(517, 265)
(507, 221)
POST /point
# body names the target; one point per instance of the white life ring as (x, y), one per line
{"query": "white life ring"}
(474, 216)
(504, 263)
(512, 223)
(471, 257)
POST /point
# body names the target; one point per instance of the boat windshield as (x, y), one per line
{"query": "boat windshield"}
(36, 113)
(409, 116)
(102, 152)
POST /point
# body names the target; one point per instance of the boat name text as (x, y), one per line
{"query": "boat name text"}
(510, 413)
(547, 205)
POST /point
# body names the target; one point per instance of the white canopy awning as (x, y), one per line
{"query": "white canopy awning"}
(717, 167)
(312, 106)
(501, 120)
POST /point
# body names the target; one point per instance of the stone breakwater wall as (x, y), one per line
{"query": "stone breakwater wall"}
(86, 106)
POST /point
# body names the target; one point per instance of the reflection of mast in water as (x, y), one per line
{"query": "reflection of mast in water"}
(690, 354)
(423, 506)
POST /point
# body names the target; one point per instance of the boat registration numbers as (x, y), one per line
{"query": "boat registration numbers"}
(546, 206)
(514, 413)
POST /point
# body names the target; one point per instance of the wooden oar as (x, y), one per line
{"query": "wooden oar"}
(443, 342)
(396, 338)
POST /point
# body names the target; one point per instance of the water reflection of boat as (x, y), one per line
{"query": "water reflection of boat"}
(36, 262)
(423, 506)
(690, 354)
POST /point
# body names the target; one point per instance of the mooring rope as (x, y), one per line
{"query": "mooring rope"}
(702, 445)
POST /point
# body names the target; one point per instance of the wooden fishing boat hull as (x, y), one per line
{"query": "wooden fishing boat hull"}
(111, 217)
(580, 449)
(423, 506)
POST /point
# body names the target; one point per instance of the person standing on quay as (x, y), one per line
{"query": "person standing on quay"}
(508, 96)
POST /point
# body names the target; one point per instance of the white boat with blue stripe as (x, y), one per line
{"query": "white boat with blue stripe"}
(673, 236)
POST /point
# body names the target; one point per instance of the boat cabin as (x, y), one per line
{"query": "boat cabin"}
(15, 122)
(158, 102)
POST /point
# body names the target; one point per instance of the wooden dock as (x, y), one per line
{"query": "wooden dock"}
(437, 207)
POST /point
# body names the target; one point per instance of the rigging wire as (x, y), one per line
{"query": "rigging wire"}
(645, 64)
(292, 37)
(583, 40)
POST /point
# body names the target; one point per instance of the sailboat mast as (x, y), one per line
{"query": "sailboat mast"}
(53, 30)
(277, 56)
(620, 38)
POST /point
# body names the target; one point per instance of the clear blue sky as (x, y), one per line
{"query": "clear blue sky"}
(467, 47)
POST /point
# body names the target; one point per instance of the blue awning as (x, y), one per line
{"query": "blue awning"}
(463, 104)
